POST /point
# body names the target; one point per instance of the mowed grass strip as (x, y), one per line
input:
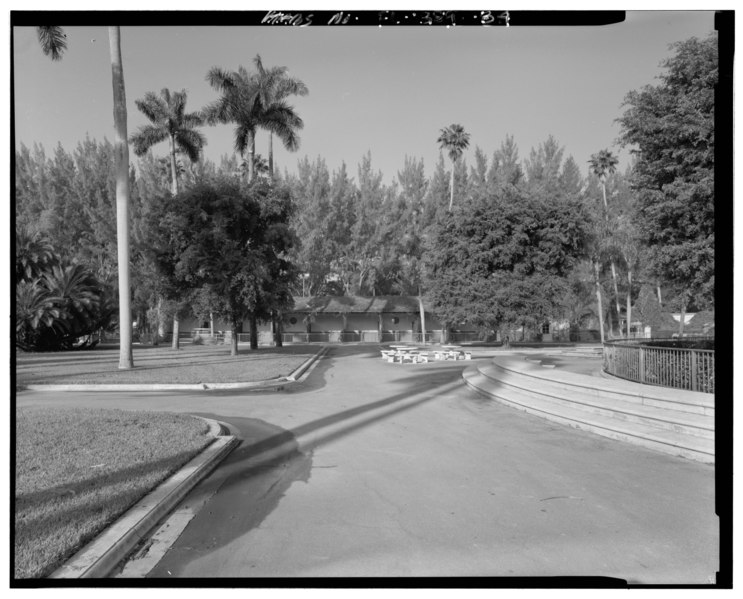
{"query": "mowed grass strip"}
(193, 364)
(78, 470)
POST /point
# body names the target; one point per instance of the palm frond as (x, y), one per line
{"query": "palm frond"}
(146, 137)
(190, 142)
(152, 107)
(53, 41)
(220, 79)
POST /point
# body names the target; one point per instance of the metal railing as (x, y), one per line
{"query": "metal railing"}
(676, 367)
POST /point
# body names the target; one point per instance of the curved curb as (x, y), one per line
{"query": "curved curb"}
(100, 556)
(276, 383)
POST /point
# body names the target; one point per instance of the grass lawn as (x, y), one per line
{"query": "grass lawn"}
(192, 364)
(79, 470)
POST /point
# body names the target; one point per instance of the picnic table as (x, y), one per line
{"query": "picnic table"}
(452, 352)
(404, 353)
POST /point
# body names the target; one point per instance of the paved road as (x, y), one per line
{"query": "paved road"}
(377, 469)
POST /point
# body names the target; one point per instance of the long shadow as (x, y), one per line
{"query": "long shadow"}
(256, 464)
(257, 484)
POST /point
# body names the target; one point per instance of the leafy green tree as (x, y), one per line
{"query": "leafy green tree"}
(671, 130)
(363, 273)
(454, 140)
(437, 193)
(53, 44)
(169, 121)
(313, 254)
(502, 260)
(505, 169)
(31, 186)
(233, 241)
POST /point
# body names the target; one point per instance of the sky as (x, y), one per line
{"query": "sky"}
(388, 91)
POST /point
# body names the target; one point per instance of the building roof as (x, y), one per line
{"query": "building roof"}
(702, 322)
(387, 304)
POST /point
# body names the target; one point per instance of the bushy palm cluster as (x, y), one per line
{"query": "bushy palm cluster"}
(58, 301)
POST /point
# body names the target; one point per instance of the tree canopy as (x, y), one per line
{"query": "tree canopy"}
(670, 127)
(232, 240)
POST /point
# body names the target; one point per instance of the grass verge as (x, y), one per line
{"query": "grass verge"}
(79, 470)
(193, 364)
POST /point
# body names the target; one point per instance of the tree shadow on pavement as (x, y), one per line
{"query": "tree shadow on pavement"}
(270, 459)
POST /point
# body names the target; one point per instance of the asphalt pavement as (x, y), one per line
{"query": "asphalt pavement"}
(387, 470)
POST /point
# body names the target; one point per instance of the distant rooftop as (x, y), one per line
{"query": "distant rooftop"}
(387, 304)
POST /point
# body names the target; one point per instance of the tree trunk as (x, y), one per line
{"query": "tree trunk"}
(251, 156)
(660, 299)
(253, 332)
(158, 319)
(173, 168)
(629, 302)
(270, 155)
(598, 300)
(451, 188)
(176, 344)
(423, 316)
(278, 329)
(233, 341)
(682, 319)
(121, 159)
(616, 296)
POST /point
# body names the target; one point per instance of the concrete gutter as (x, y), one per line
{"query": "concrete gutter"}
(277, 383)
(103, 554)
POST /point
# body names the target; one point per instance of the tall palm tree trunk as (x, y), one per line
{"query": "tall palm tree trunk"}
(598, 300)
(251, 156)
(629, 302)
(613, 268)
(176, 343)
(270, 155)
(451, 188)
(173, 168)
(121, 157)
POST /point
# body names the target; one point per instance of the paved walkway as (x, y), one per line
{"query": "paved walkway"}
(378, 469)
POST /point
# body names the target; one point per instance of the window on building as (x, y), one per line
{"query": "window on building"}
(546, 328)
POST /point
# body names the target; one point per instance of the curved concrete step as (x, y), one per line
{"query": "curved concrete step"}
(628, 422)
(681, 421)
(608, 388)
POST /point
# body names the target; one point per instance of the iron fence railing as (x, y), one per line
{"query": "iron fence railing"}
(678, 367)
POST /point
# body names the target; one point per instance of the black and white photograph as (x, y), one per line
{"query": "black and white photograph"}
(371, 298)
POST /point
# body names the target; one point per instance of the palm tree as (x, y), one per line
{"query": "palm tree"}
(169, 119)
(33, 254)
(243, 102)
(53, 44)
(603, 164)
(455, 141)
(275, 86)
